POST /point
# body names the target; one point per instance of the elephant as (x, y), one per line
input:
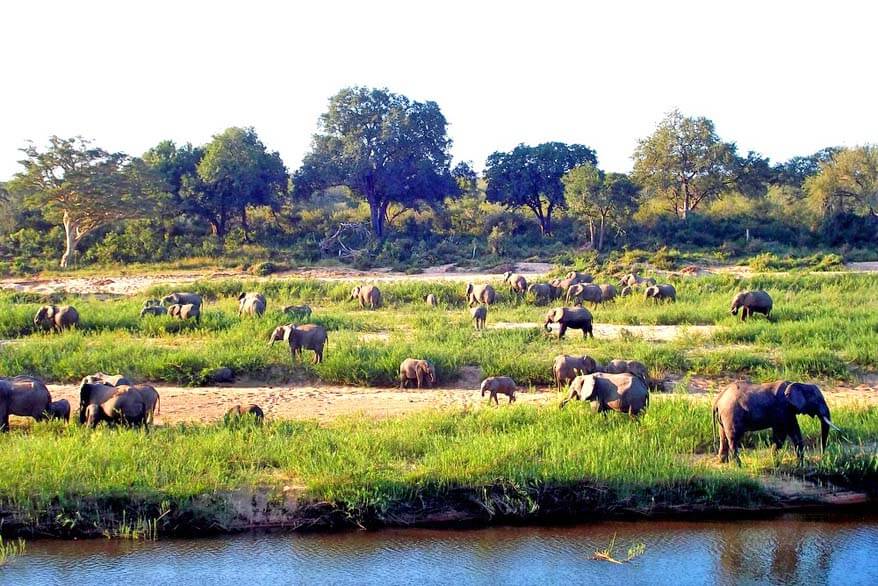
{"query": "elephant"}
(608, 292)
(581, 292)
(125, 406)
(517, 282)
(25, 396)
(743, 407)
(479, 315)
(480, 294)
(368, 295)
(544, 292)
(153, 310)
(430, 299)
(185, 312)
(750, 302)
(632, 280)
(498, 385)
(53, 317)
(252, 304)
(298, 311)
(151, 400)
(661, 293)
(577, 318)
(59, 410)
(113, 380)
(94, 393)
(178, 298)
(572, 278)
(307, 336)
(627, 290)
(420, 371)
(237, 413)
(151, 303)
(624, 393)
(565, 368)
(633, 367)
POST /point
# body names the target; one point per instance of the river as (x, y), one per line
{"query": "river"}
(788, 550)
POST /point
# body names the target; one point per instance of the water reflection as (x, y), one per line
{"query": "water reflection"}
(792, 550)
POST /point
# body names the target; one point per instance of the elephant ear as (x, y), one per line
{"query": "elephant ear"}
(588, 387)
(795, 395)
(241, 296)
(50, 311)
(288, 331)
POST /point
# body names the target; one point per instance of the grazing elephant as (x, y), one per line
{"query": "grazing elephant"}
(608, 292)
(572, 278)
(661, 293)
(113, 380)
(151, 303)
(185, 312)
(632, 280)
(742, 407)
(626, 291)
(124, 407)
(178, 298)
(420, 371)
(59, 410)
(620, 392)
(237, 414)
(252, 304)
(430, 299)
(565, 368)
(581, 292)
(577, 318)
(153, 310)
(479, 315)
(498, 385)
(94, 393)
(307, 336)
(750, 302)
(544, 292)
(480, 294)
(53, 317)
(25, 396)
(517, 282)
(633, 367)
(298, 311)
(151, 400)
(368, 295)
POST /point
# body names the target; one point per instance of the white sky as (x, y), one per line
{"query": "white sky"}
(782, 78)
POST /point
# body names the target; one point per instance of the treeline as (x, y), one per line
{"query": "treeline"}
(378, 188)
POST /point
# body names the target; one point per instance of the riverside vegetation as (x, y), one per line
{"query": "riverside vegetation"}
(516, 462)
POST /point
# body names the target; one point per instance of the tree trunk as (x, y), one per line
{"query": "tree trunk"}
(547, 228)
(685, 200)
(591, 232)
(244, 225)
(70, 240)
(377, 211)
(601, 235)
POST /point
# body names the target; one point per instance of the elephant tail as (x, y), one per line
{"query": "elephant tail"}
(713, 415)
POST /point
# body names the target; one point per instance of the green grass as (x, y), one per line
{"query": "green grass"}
(10, 549)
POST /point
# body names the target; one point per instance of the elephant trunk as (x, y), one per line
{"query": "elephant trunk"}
(825, 423)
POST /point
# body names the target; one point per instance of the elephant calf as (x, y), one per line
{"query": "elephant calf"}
(565, 368)
(661, 293)
(516, 282)
(479, 315)
(113, 380)
(368, 296)
(633, 367)
(430, 300)
(620, 392)
(298, 311)
(54, 317)
(633, 280)
(750, 302)
(252, 304)
(307, 336)
(178, 298)
(581, 292)
(577, 318)
(480, 294)
(420, 371)
(237, 413)
(59, 410)
(184, 312)
(153, 310)
(544, 292)
(495, 385)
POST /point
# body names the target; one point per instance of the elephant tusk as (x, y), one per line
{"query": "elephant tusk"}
(830, 424)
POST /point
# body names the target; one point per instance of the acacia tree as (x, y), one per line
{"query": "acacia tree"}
(84, 187)
(531, 177)
(599, 198)
(848, 183)
(384, 148)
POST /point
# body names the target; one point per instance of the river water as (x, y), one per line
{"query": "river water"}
(788, 550)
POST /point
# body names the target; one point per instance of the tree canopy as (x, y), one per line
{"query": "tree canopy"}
(530, 176)
(384, 148)
(847, 183)
(599, 198)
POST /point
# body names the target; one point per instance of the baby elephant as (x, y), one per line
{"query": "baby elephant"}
(298, 311)
(430, 299)
(498, 385)
(59, 410)
(480, 315)
(620, 392)
(566, 368)
(54, 317)
(750, 302)
(420, 371)
(152, 302)
(185, 312)
(153, 310)
(634, 367)
(661, 293)
(237, 414)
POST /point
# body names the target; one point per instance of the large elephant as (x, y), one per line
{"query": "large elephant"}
(572, 278)
(25, 396)
(517, 282)
(307, 336)
(495, 385)
(544, 292)
(566, 368)
(151, 400)
(634, 367)
(420, 371)
(743, 407)
(480, 294)
(577, 318)
(750, 302)
(633, 280)
(582, 292)
(184, 312)
(178, 298)
(54, 317)
(252, 304)
(125, 406)
(608, 292)
(661, 293)
(625, 393)
(113, 380)
(368, 296)
(94, 393)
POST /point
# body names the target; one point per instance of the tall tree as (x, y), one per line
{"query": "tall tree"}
(686, 163)
(531, 177)
(84, 187)
(847, 183)
(384, 148)
(600, 198)
(794, 171)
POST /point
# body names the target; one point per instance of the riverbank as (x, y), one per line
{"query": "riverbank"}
(453, 467)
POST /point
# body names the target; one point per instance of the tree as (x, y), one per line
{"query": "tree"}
(84, 187)
(599, 197)
(794, 171)
(531, 177)
(466, 178)
(848, 183)
(384, 148)
(686, 163)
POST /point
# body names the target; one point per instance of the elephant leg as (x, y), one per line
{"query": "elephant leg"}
(796, 439)
(734, 444)
(562, 330)
(4, 419)
(496, 400)
(723, 446)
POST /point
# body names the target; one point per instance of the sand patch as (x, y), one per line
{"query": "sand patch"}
(653, 333)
